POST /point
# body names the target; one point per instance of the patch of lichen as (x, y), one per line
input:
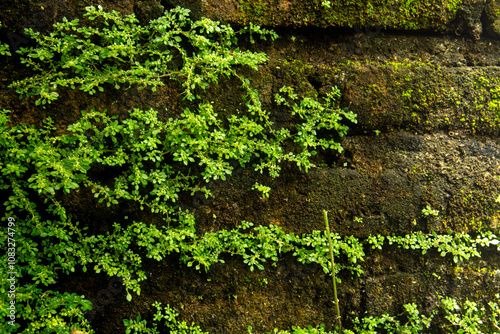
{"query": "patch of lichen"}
(393, 14)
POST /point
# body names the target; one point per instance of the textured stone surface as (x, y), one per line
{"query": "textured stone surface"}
(427, 134)
(460, 16)
(492, 18)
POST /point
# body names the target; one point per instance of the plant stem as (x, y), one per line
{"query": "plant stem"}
(325, 214)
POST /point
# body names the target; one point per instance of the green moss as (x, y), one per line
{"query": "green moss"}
(297, 71)
(393, 14)
(254, 11)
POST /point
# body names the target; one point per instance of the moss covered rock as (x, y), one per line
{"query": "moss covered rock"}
(492, 18)
(404, 15)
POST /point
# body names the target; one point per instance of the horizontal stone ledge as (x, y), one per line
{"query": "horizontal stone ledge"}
(462, 17)
(456, 16)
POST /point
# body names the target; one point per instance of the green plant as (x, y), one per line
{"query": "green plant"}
(263, 189)
(461, 245)
(471, 317)
(358, 220)
(267, 243)
(320, 329)
(118, 52)
(168, 316)
(377, 241)
(150, 161)
(334, 279)
(48, 311)
(4, 48)
(316, 115)
(326, 4)
(428, 211)
(466, 317)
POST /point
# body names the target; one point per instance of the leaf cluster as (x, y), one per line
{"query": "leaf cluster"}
(4, 48)
(117, 51)
(461, 246)
(165, 316)
(153, 161)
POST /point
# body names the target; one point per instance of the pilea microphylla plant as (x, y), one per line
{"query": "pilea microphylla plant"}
(150, 159)
(153, 160)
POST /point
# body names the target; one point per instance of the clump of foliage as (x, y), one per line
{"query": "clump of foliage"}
(165, 316)
(461, 246)
(118, 51)
(4, 48)
(459, 317)
(152, 161)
